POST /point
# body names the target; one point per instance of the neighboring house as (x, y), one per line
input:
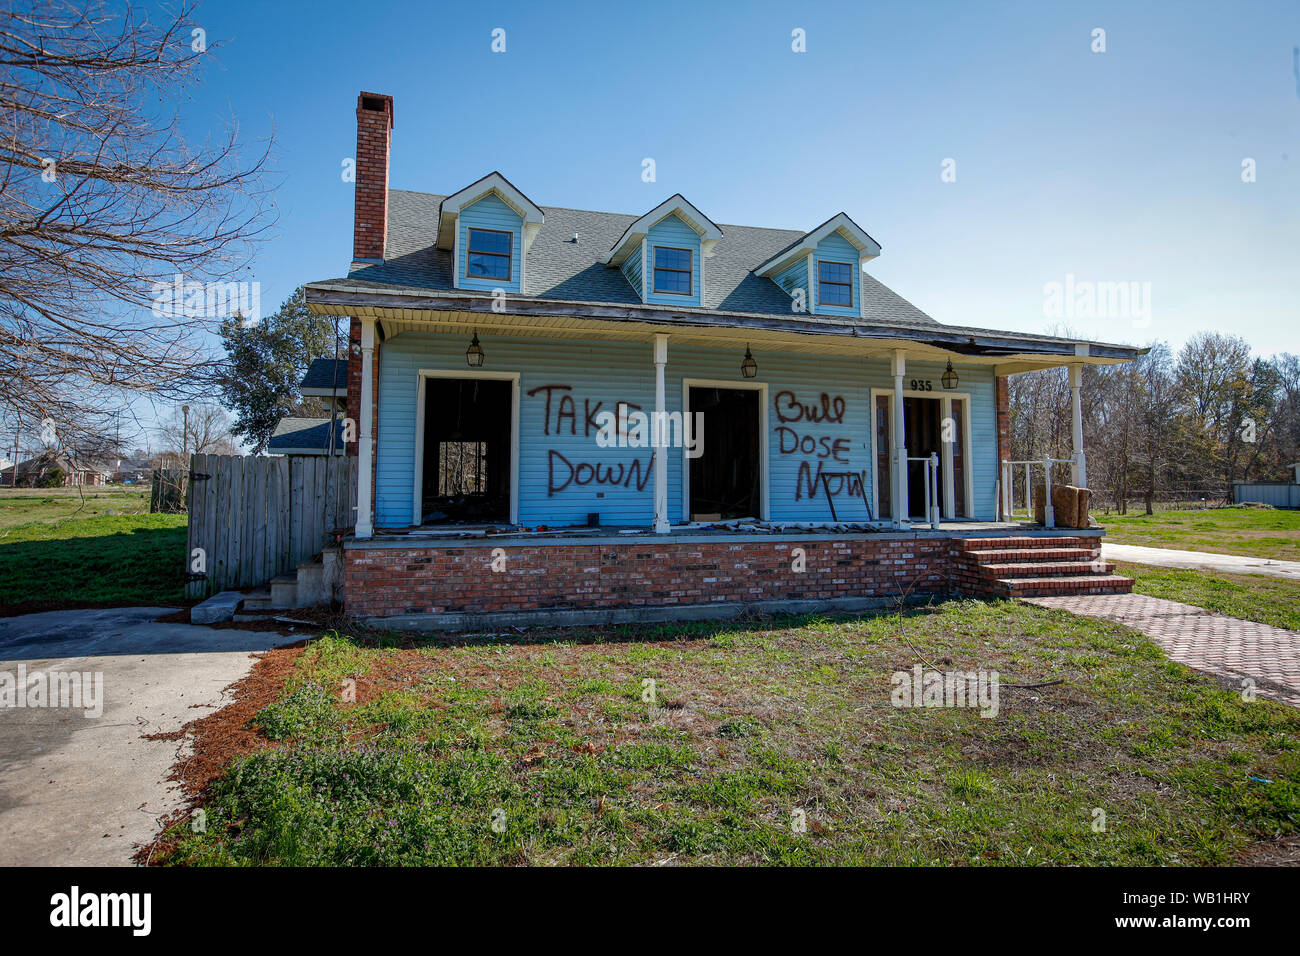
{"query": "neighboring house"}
(326, 381)
(41, 470)
(305, 436)
(489, 334)
(133, 470)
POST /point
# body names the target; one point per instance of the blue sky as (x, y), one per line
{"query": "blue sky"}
(1117, 166)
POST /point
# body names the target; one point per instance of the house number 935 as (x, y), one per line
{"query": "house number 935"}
(922, 385)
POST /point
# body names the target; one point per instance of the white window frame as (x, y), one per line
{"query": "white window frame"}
(946, 471)
(423, 376)
(764, 439)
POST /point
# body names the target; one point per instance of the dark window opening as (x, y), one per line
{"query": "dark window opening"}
(835, 284)
(726, 478)
(489, 254)
(466, 451)
(672, 270)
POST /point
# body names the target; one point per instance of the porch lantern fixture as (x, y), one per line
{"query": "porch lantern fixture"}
(474, 354)
(949, 377)
(748, 368)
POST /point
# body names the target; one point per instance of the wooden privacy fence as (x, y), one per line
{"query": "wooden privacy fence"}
(255, 518)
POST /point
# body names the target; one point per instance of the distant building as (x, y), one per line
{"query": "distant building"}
(50, 468)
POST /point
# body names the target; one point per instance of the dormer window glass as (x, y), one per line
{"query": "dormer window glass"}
(672, 270)
(489, 254)
(835, 284)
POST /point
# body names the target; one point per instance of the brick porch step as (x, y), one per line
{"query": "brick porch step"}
(1066, 585)
(1041, 569)
(1010, 555)
(1027, 543)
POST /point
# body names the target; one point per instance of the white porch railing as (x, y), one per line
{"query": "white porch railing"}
(932, 510)
(1008, 505)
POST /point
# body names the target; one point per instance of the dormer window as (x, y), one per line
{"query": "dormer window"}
(673, 270)
(489, 254)
(835, 284)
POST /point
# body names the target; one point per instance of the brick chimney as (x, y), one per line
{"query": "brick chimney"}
(374, 136)
(369, 227)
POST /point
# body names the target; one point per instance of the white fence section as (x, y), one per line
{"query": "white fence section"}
(252, 518)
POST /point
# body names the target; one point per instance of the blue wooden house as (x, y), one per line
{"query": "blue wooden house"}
(559, 409)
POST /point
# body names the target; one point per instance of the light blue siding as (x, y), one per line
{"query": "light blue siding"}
(632, 269)
(835, 248)
(671, 231)
(490, 213)
(793, 278)
(564, 474)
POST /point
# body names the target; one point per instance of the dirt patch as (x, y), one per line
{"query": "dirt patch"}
(222, 736)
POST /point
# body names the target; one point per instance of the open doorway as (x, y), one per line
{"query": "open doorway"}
(466, 473)
(726, 481)
(936, 425)
(922, 425)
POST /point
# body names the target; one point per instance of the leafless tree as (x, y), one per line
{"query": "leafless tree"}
(117, 237)
(204, 431)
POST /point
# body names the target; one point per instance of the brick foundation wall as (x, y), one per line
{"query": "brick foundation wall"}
(387, 581)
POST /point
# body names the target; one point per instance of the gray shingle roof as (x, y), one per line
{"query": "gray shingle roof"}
(561, 269)
(299, 434)
(323, 374)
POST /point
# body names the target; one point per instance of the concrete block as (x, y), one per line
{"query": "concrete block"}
(219, 607)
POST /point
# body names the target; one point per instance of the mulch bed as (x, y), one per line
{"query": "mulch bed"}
(222, 736)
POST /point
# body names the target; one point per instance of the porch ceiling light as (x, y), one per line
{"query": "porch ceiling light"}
(748, 368)
(949, 377)
(474, 354)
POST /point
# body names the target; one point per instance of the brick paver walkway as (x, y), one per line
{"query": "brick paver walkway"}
(1227, 647)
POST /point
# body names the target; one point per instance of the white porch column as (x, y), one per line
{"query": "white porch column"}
(1080, 469)
(898, 443)
(365, 439)
(660, 432)
(946, 469)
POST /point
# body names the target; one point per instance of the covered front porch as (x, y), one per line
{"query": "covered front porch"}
(802, 424)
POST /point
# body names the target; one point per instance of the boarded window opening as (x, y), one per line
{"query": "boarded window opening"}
(726, 478)
(466, 451)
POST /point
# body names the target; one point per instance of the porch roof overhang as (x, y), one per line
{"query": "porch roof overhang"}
(461, 311)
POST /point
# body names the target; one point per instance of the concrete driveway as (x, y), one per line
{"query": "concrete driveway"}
(87, 790)
(1204, 560)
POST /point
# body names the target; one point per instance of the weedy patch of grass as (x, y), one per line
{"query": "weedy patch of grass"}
(780, 746)
(20, 506)
(1258, 532)
(102, 561)
(1251, 597)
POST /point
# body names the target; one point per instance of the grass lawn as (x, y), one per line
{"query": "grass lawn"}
(1252, 597)
(491, 751)
(102, 561)
(1256, 532)
(48, 505)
